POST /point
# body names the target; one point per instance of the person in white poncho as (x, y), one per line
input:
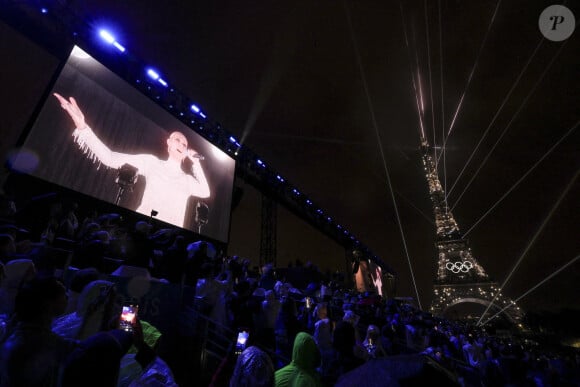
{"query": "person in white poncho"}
(168, 187)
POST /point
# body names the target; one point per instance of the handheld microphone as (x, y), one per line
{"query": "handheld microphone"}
(198, 156)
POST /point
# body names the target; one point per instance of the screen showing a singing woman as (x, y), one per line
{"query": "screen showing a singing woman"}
(98, 135)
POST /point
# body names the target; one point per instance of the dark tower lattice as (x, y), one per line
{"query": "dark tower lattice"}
(460, 278)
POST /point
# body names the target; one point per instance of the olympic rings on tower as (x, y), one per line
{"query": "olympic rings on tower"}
(456, 267)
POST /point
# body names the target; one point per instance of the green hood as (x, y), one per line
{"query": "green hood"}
(305, 353)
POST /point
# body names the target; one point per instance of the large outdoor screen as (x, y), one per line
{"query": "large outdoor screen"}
(369, 278)
(98, 135)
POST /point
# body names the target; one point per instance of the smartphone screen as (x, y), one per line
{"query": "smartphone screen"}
(242, 341)
(128, 316)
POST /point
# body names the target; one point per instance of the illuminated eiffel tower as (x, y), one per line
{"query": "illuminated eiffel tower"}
(460, 278)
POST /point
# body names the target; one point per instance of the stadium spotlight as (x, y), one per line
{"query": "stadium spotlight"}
(235, 142)
(195, 109)
(107, 37)
(153, 74)
(118, 46)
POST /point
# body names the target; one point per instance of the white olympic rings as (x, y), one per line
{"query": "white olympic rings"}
(456, 267)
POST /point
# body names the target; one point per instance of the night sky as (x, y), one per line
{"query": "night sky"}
(323, 92)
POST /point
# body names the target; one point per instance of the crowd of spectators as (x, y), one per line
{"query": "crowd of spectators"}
(59, 316)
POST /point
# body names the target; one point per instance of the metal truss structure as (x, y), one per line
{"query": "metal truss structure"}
(460, 278)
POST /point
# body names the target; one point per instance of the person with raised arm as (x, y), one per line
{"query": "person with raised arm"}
(168, 187)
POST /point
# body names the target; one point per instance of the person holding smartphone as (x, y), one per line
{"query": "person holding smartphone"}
(128, 317)
(34, 355)
(96, 362)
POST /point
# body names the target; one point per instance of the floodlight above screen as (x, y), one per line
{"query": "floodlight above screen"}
(98, 135)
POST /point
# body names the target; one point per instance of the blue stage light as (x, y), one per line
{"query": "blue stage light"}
(194, 109)
(118, 46)
(280, 178)
(234, 141)
(153, 74)
(308, 202)
(44, 10)
(162, 81)
(319, 211)
(260, 162)
(296, 191)
(329, 219)
(107, 37)
(203, 115)
(338, 226)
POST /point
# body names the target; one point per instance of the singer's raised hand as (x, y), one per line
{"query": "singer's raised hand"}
(73, 110)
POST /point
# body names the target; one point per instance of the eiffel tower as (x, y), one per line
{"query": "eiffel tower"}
(460, 278)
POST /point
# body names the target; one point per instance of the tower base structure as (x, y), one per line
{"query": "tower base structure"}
(447, 295)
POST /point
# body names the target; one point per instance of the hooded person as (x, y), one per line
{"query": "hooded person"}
(79, 280)
(93, 311)
(301, 372)
(254, 368)
(373, 344)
